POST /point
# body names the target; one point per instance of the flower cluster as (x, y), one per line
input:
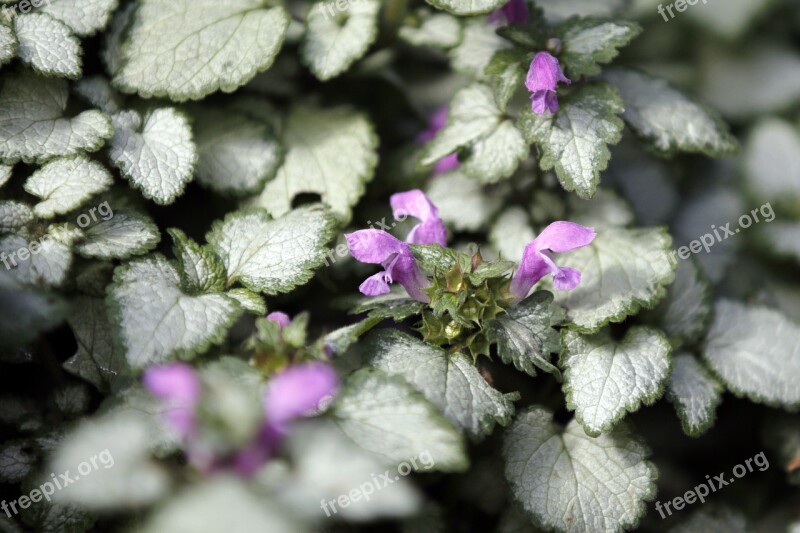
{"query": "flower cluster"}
(294, 392)
(396, 257)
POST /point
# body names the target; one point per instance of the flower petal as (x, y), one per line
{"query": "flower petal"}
(566, 279)
(298, 391)
(415, 203)
(179, 389)
(532, 268)
(282, 319)
(513, 12)
(375, 285)
(564, 236)
(438, 120)
(374, 246)
(446, 164)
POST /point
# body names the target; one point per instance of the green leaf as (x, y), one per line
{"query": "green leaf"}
(15, 462)
(331, 152)
(338, 341)
(771, 150)
(667, 119)
(125, 474)
(391, 305)
(25, 312)
(588, 42)
(157, 321)
(737, 17)
(433, 257)
(8, 44)
(695, 394)
(14, 216)
(475, 121)
(449, 381)
(335, 39)
(125, 234)
(467, 7)
(575, 140)
(478, 46)
(272, 256)
(506, 73)
(569, 481)
(48, 45)
(782, 239)
(42, 261)
(384, 415)
(605, 209)
(249, 300)
(237, 154)
(84, 17)
(557, 10)
(5, 174)
(224, 503)
(187, 49)
(526, 335)
(65, 184)
(622, 271)
(117, 31)
(98, 91)
(32, 128)
(97, 359)
(436, 30)
(686, 310)
(200, 268)
(463, 203)
(324, 461)
(755, 351)
(714, 519)
(156, 153)
(604, 378)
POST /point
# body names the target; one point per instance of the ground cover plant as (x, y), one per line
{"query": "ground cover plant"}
(399, 265)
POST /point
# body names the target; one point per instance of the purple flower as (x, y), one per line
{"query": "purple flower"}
(438, 121)
(537, 259)
(178, 387)
(431, 229)
(542, 80)
(282, 319)
(513, 12)
(297, 392)
(377, 247)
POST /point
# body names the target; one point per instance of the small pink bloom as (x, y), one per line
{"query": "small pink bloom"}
(431, 229)
(377, 247)
(537, 259)
(438, 121)
(178, 387)
(282, 319)
(513, 12)
(543, 78)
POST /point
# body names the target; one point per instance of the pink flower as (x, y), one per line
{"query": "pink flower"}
(513, 12)
(431, 229)
(297, 392)
(377, 247)
(178, 387)
(543, 77)
(537, 259)
(282, 319)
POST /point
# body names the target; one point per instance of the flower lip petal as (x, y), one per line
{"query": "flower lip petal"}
(566, 279)
(375, 285)
(564, 236)
(374, 246)
(298, 391)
